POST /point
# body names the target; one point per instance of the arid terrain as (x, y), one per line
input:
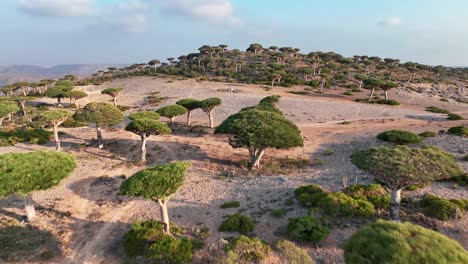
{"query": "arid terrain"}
(88, 218)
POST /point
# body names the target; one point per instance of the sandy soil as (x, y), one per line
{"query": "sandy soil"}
(88, 217)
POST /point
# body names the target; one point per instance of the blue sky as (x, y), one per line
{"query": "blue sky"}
(48, 32)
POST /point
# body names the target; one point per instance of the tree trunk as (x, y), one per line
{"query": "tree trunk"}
(115, 100)
(189, 117)
(165, 216)
(255, 158)
(272, 83)
(56, 138)
(360, 84)
(143, 149)
(172, 120)
(23, 108)
(371, 94)
(99, 137)
(1, 121)
(395, 204)
(29, 208)
(386, 95)
(322, 84)
(59, 102)
(24, 91)
(210, 116)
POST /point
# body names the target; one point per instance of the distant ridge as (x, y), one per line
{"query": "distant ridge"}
(15, 73)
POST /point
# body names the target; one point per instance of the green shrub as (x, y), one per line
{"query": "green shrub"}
(237, 223)
(73, 123)
(440, 208)
(373, 193)
(307, 228)
(278, 212)
(386, 242)
(349, 93)
(461, 179)
(31, 135)
(399, 137)
(169, 249)
(292, 254)
(454, 117)
(140, 237)
(437, 110)
(329, 152)
(462, 203)
(388, 102)
(246, 250)
(232, 204)
(428, 134)
(459, 131)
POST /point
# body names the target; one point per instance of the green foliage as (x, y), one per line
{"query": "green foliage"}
(261, 129)
(171, 111)
(243, 250)
(144, 114)
(237, 223)
(141, 235)
(461, 179)
(307, 228)
(399, 137)
(65, 83)
(31, 135)
(373, 193)
(210, 103)
(336, 204)
(386, 242)
(387, 102)
(454, 117)
(271, 100)
(72, 123)
(22, 173)
(437, 110)
(348, 93)
(189, 103)
(169, 249)
(441, 208)
(292, 254)
(101, 114)
(113, 91)
(401, 166)
(428, 134)
(278, 213)
(157, 182)
(58, 91)
(50, 117)
(75, 94)
(148, 127)
(7, 108)
(231, 204)
(459, 131)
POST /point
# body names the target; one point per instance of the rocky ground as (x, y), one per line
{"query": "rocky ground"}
(88, 218)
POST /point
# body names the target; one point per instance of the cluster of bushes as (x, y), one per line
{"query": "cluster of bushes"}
(427, 134)
(31, 135)
(253, 250)
(308, 228)
(443, 209)
(359, 202)
(237, 223)
(459, 131)
(399, 137)
(147, 239)
(437, 110)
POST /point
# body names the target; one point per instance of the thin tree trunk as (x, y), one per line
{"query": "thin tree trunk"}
(23, 108)
(115, 101)
(255, 158)
(371, 94)
(99, 137)
(59, 102)
(272, 83)
(172, 120)
(386, 95)
(210, 116)
(56, 138)
(29, 208)
(360, 84)
(165, 216)
(24, 91)
(395, 204)
(1, 121)
(143, 149)
(189, 117)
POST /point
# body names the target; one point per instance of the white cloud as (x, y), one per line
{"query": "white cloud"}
(391, 21)
(133, 22)
(220, 11)
(57, 8)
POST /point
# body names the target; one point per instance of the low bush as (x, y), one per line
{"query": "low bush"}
(459, 131)
(388, 102)
(437, 110)
(335, 203)
(292, 254)
(231, 204)
(462, 203)
(441, 208)
(278, 212)
(140, 237)
(299, 92)
(399, 137)
(237, 223)
(373, 193)
(387, 242)
(246, 250)
(427, 134)
(461, 179)
(31, 135)
(348, 93)
(169, 249)
(454, 117)
(307, 228)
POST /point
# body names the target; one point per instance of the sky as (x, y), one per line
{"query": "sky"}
(50, 32)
